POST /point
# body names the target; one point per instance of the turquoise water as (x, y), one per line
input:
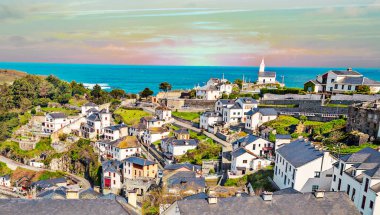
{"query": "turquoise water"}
(133, 78)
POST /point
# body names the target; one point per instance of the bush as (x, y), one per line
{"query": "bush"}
(33, 111)
(62, 137)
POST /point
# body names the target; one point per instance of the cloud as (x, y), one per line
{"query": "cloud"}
(7, 12)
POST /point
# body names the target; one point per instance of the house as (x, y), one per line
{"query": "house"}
(54, 122)
(119, 149)
(213, 89)
(139, 168)
(244, 161)
(282, 139)
(89, 106)
(209, 119)
(265, 77)
(179, 167)
(151, 122)
(254, 144)
(364, 117)
(338, 81)
(115, 132)
(318, 203)
(154, 134)
(237, 113)
(95, 124)
(164, 113)
(358, 175)
(176, 147)
(49, 183)
(223, 103)
(184, 182)
(301, 166)
(258, 116)
(112, 177)
(5, 180)
(182, 134)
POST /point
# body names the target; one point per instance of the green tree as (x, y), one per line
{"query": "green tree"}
(192, 94)
(96, 92)
(165, 86)
(146, 93)
(363, 89)
(239, 82)
(303, 118)
(118, 93)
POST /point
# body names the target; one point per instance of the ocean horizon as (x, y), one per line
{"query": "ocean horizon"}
(134, 78)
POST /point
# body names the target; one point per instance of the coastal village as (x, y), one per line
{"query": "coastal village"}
(227, 147)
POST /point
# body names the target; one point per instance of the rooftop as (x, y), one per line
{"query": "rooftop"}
(188, 166)
(126, 142)
(57, 115)
(267, 74)
(349, 71)
(293, 203)
(139, 161)
(299, 153)
(61, 207)
(116, 127)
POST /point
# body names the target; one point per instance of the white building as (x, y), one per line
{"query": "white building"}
(223, 103)
(5, 180)
(265, 77)
(164, 113)
(154, 134)
(119, 149)
(115, 132)
(89, 107)
(254, 144)
(54, 122)
(358, 175)
(139, 168)
(340, 81)
(301, 166)
(282, 139)
(237, 113)
(112, 178)
(95, 124)
(213, 89)
(209, 119)
(176, 147)
(244, 162)
(258, 116)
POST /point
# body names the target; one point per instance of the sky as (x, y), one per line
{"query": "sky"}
(324, 33)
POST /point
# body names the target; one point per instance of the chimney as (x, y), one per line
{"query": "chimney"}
(319, 194)
(132, 198)
(267, 196)
(212, 200)
(72, 194)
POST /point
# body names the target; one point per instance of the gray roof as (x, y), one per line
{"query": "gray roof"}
(94, 117)
(210, 114)
(283, 136)
(240, 151)
(139, 161)
(235, 106)
(357, 81)
(263, 111)
(182, 131)
(60, 207)
(112, 166)
(267, 74)
(201, 195)
(246, 140)
(59, 193)
(57, 115)
(227, 101)
(248, 100)
(89, 194)
(190, 142)
(43, 184)
(90, 104)
(116, 127)
(299, 153)
(185, 179)
(345, 72)
(297, 204)
(367, 159)
(182, 165)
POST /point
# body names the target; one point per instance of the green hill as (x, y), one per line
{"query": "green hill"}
(8, 76)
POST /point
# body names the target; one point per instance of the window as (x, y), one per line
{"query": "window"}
(254, 146)
(286, 167)
(349, 87)
(332, 80)
(371, 204)
(244, 161)
(314, 188)
(366, 185)
(341, 168)
(353, 194)
(342, 87)
(285, 180)
(114, 181)
(334, 179)
(275, 171)
(339, 184)
(336, 86)
(317, 174)
(363, 202)
(348, 189)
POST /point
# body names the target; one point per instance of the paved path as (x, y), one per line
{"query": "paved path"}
(14, 164)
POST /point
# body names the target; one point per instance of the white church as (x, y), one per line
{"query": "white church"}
(265, 77)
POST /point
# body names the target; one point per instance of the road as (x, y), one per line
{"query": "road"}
(14, 164)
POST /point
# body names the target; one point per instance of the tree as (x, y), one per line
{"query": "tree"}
(192, 94)
(45, 89)
(239, 82)
(363, 89)
(146, 93)
(118, 93)
(165, 86)
(96, 91)
(303, 118)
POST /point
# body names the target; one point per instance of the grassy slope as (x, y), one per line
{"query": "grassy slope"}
(62, 110)
(131, 117)
(190, 116)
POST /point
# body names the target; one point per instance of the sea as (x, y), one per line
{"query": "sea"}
(134, 78)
